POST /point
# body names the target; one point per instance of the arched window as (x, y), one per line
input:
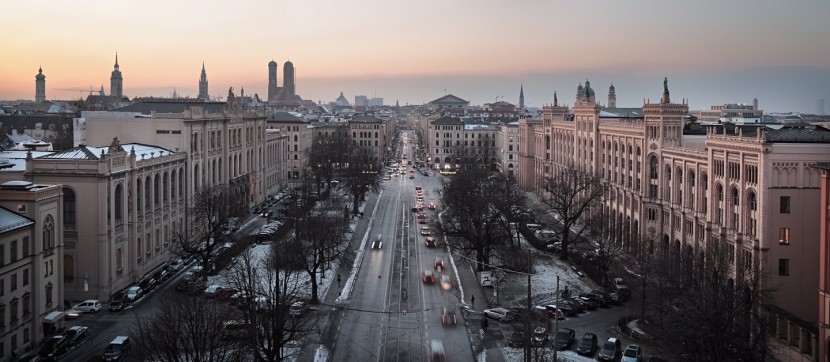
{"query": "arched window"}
(118, 204)
(147, 192)
(165, 184)
(68, 209)
(156, 190)
(173, 185)
(48, 235)
(181, 182)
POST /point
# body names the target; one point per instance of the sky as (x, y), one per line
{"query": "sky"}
(712, 51)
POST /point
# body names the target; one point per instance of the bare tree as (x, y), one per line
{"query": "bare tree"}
(608, 249)
(361, 175)
(570, 193)
(713, 310)
(473, 219)
(186, 329)
(644, 268)
(204, 229)
(268, 291)
(327, 156)
(319, 238)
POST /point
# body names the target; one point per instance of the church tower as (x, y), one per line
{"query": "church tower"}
(272, 79)
(612, 97)
(203, 85)
(665, 120)
(522, 97)
(116, 82)
(40, 86)
(288, 78)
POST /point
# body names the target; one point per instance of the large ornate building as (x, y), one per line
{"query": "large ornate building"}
(751, 189)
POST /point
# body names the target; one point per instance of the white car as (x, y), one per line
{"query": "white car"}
(500, 314)
(134, 293)
(88, 306)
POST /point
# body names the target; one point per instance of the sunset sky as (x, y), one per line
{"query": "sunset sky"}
(411, 51)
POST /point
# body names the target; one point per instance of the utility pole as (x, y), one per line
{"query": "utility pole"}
(556, 322)
(528, 336)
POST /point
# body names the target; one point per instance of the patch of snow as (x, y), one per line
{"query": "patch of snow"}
(513, 287)
(321, 354)
(634, 326)
(482, 357)
(512, 354)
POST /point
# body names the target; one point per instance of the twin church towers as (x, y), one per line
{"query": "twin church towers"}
(287, 91)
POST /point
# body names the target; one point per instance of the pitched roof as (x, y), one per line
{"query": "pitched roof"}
(285, 117)
(10, 220)
(621, 112)
(449, 98)
(808, 134)
(366, 119)
(172, 106)
(447, 121)
(94, 153)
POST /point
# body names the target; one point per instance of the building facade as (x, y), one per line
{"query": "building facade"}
(684, 192)
(31, 271)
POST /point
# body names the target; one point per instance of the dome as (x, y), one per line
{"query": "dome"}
(288, 64)
(272, 63)
(611, 88)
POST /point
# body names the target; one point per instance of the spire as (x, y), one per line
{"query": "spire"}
(521, 96)
(203, 66)
(116, 60)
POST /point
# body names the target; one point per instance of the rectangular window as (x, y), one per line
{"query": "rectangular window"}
(14, 282)
(784, 267)
(25, 277)
(785, 205)
(784, 236)
(26, 251)
(13, 251)
(2, 255)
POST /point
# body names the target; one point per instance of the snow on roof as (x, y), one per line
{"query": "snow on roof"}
(17, 158)
(20, 137)
(142, 151)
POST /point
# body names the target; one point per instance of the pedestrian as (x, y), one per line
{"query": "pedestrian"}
(486, 323)
(473, 301)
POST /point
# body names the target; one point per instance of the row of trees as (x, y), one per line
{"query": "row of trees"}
(701, 307)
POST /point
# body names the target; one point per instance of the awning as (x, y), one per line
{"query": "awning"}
(53, 317)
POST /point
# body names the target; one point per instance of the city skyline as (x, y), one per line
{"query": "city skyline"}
(712, 53)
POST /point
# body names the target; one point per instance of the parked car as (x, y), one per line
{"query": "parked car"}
(117, 302)
(88, 306)
(76, 335)
(134, 294)
(237, 329)
(297, 309)
(540, 336)
(212, 291)
(554, 312)
(448, 316)
(577, 304)
(500, 314)
(590, 304)
(564, 338)
(597, 299)
(177, 264)
(632, 353)
(587, 345)
(517, 339)
(610, 350)
(53, 348)
(117, 349)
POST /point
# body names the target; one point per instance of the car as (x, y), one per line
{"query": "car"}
(117, 349)
(117, 302)
(429, 277)
(517, 339)
(564, 338)
(88, 306)
(499, 314)
(597, 299)
(587, 345)
(177, 264)
(566, 308)
(53, 348)
(539, 337)
(412, 176)
(577, 303)
(422, 220)
(610, 350)
(448, 316)
(417, 188)
(76, 335)
(554, 312)
(436, 351)
(425, 230)
(632, 353)
(446, 282)
(387, 177)
(590, 303)
(431, 206)
(377, 242)
(297, 308)
(212, 291)
(429, 241)
(439, 263)
(72, 313)
(134, 293)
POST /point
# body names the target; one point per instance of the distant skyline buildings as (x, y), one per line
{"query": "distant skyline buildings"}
(203, 85)
(40, 86)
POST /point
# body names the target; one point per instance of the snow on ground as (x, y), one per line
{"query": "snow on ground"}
(321, 354)
(513, 287)
(346, 292)
(512, 354)
(482, 357)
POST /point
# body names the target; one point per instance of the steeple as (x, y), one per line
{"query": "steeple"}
(612, 96)
(272, 79)
(522, 96)
(203, 85)
(116, 81)
(40, 86)
(579, 92)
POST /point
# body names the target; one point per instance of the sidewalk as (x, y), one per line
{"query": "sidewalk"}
(473, 317)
